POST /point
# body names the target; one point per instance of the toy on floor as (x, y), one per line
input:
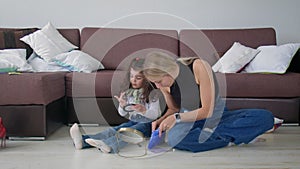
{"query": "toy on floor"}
(2, 134)
(155, 139)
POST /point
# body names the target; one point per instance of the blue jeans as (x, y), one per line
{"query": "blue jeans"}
(238, 126)
(108, 136)
(140, 118)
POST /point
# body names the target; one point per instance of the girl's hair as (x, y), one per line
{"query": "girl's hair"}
(158, 64)
(137, 65)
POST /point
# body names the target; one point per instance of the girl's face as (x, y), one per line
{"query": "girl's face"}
(136, 79)
(164, 81)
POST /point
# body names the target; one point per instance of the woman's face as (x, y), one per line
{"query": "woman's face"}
(136, 79)
(163, 81)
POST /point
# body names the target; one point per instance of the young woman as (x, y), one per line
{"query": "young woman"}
(196, 118)
(138, 101)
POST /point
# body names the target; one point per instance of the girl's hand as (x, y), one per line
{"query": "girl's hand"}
(139, 108)
(166, 124)
(120, 99)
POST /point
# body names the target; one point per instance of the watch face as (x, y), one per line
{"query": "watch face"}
(177, 116)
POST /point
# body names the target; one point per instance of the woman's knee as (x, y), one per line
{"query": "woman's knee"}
(269, 118)
(182, 133)
(266, 118)
(172, 137)
(178, 133)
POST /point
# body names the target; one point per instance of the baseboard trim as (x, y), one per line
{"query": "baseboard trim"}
(27, 138)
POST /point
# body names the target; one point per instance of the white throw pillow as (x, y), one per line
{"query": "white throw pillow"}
(6, 66)
(273, 59)
(48, 42)
(14, 60)
(40, 65)
(235, 59)
(78, 61)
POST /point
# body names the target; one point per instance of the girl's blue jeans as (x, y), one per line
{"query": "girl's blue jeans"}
(239, 126)
(108, 136)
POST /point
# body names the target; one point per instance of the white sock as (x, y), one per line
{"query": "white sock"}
(98, 144)
(76, 136)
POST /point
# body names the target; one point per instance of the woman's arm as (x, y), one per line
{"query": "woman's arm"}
(204, 77)
(171, 107)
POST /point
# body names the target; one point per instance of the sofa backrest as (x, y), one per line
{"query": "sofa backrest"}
(112, 46)
(72, 35)
(212, 44)
(10, 37)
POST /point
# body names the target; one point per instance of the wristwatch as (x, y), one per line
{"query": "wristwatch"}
(177, 117)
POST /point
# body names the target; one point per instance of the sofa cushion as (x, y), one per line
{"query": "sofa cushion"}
(211, 44)
(235, 59)
(71, 34)
(112, 45)
(78, 61)
(10, 39)
(14, 58)
(273, 59)
(104, 83)
(40, 65)
(48, 42)
(31, 88)
(250, 85)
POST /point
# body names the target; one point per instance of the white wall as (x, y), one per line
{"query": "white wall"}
(283, 15)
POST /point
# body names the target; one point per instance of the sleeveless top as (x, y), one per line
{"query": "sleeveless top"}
(185, 90)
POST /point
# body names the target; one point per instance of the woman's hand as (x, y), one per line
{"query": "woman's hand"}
(155, 124)
(166, 124)
(120, 99)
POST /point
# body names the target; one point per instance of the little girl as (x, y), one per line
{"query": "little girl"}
(139, 102)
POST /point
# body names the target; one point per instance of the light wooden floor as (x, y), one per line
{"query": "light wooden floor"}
(280, 150)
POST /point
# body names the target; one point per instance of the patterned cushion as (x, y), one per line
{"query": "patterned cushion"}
(10, 38)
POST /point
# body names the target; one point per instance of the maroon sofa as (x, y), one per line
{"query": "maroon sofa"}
(90, 96)
(35, 104)
(32, 104)
(279, 93)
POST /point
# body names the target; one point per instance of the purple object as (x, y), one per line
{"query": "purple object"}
(155, 139)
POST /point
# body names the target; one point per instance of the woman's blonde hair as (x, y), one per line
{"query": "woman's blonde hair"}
(158, 64)
(187, 60)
